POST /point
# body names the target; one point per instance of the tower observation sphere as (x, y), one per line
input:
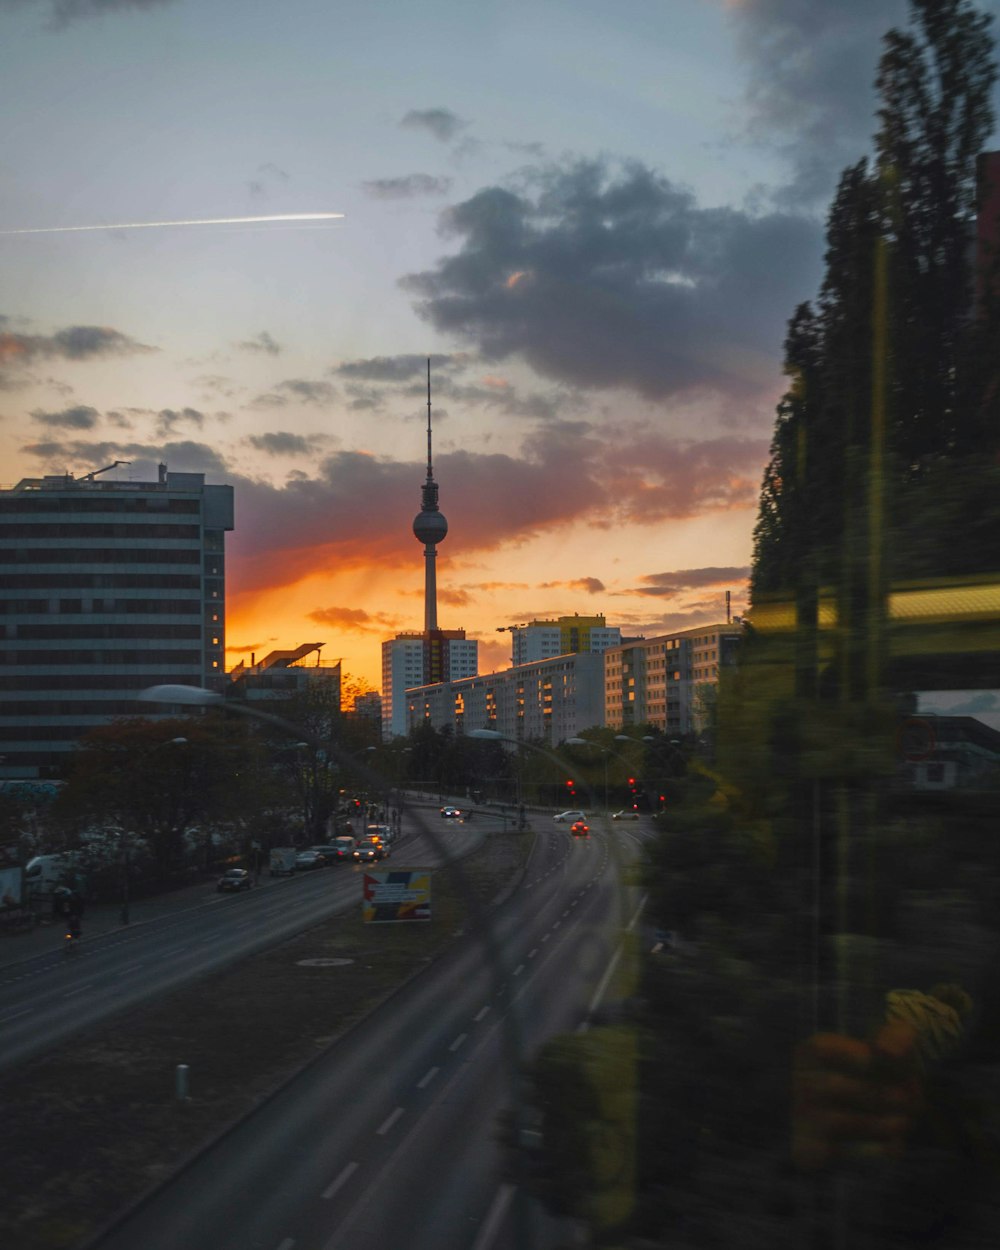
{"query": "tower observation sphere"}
(430, 527)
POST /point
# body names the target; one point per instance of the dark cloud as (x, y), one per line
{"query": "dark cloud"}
(442, 123)
(499, 395)
(812, 67)
(168, 419)
(614, 277)
(590, 585)
(184, 456)
(408, 187)
(261, 343)
(62, 13)
(296, 390)
(356, 620)
(392, 368)
(282, 443)
(681, 580)
(73, 343)
(79, 418)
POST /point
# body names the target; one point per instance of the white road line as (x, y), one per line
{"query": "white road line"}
(175, 950)
(427, 1077)
(79, 990)
(458, 1041)
(341, 1180)
(14, 1015)
(388, 1122)
(481, 1013)
(128, 968)
(557, 924)
(518, 970)
(546, 936)
(494, 1217)
(287, 1244)
(533, 952)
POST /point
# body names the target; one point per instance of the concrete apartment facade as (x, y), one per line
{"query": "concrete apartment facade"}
(543, 640)
(549, 700)
(655, 681)
(105, 587)
(411, 659)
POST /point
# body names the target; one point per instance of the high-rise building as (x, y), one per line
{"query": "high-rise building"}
(654, 681)
(566, 635)
(105, 587)
(434, 655)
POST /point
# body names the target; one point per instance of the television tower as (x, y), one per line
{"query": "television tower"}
(430, 526)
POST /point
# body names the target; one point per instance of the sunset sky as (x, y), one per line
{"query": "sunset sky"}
(595, 218)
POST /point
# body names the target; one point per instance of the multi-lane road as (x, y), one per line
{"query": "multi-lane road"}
(391, 1136)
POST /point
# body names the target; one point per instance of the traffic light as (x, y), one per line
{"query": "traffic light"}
(569, 783)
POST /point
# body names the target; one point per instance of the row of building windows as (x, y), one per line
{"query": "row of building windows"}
(97, 529)
(33, 504)
(74, 607)
(96, 681)
(101, 581)
(28, 708)
(100, 555)
(95, 656)
(105, 629)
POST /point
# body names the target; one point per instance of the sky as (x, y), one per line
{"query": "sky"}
(595, 220)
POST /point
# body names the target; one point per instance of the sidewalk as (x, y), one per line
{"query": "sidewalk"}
(101, 918)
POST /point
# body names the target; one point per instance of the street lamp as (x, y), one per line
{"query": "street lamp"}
(122, 837)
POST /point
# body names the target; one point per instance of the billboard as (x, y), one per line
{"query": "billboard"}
(394, 895)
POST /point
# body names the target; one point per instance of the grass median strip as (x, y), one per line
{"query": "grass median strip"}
(93, 1123)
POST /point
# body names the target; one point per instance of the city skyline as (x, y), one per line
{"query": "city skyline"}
(595, 223)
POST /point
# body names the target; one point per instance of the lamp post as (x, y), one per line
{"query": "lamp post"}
(125, 913)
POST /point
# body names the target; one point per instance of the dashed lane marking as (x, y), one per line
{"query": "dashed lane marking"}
(458, 1041)
(428, 1076)
(481, 1013)
(341, 1180)
(388, 1122)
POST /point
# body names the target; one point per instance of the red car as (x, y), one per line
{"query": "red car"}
(580, 829)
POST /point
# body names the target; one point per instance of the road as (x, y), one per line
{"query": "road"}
(390, 1138)
(46, 998)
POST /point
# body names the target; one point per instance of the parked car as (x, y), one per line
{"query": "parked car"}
(569, 818)
(451, 813)
(233, 880)
(368, 851)
(580, 829)
(627, 813)
(307, 860)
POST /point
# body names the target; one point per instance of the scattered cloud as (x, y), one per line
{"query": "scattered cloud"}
(392, 368)
(296, 390)
(73, 343)
(282, 443)
(453, 598)
(63, 13)
(604, 276)
(589, 585)
(168, 419)
(357, 620)
(265, 177)
(680, 581)
(184, 456)
(261, 343)
(408, 187)
(442, 123)
(81, 417)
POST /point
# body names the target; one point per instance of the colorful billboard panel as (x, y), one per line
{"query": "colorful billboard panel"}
(394, 895)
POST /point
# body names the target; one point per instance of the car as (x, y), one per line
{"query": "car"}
(368, 851)
(379, 833)
(627, 813)
(451, 813)
(580, 829)
(569, 818)
(340, 849)
(307, 860)
(233, 880)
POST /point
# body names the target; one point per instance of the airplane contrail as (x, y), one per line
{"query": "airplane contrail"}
(194, 221)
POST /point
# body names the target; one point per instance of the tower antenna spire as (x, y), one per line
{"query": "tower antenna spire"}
(430, 467)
